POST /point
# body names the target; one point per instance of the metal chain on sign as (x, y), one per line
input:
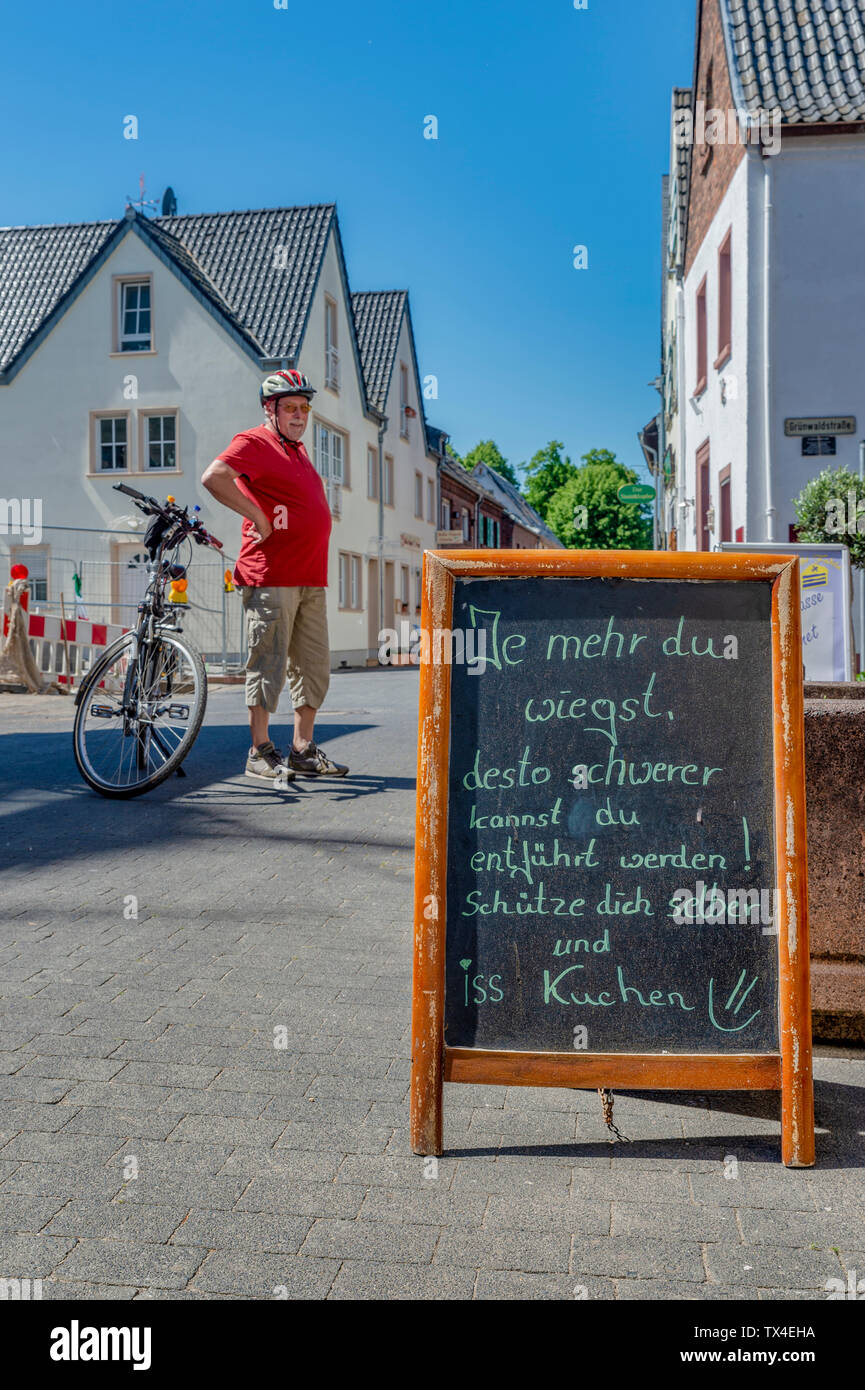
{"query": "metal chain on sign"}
(607, 1107)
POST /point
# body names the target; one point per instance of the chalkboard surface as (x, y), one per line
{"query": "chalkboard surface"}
(610, 864)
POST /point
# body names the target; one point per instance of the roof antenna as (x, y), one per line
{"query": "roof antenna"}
(141, 203)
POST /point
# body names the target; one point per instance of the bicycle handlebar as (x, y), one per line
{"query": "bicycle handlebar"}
(171, 511)
(204, 537)
(131, 492)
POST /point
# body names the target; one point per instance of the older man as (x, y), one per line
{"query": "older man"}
(266, 475)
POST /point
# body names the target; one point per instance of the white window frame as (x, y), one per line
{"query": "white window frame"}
(389, 482)
(123, 339)
(114, 416)
(329, 449)
(356, 592)
(430, 501)
(403, 401)
(372, 473)
(418, 495)
(446, 514)
(404, 589)
(331, 350)
(145, 417)
(350, 581)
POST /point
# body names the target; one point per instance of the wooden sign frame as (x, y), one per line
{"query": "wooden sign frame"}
(433, 1063)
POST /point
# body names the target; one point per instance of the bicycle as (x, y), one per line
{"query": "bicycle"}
(141, 705)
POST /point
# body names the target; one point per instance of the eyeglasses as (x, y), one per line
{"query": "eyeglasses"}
(291, 406)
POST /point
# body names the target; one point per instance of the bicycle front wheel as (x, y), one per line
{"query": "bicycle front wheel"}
(138, 715)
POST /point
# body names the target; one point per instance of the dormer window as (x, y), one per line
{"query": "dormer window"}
(331, 350)
(134, 327)
(403, 402)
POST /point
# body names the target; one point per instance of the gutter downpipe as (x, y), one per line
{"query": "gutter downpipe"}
(443, 444)
(659, 478)
(861, 572)
(682, 411)
(381, 433)
(767, 343)
(654, 453)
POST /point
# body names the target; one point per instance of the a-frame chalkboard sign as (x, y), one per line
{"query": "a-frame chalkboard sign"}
(610, 859)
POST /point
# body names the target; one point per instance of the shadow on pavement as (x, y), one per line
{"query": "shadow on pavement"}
(51, 815)
(840, 1120)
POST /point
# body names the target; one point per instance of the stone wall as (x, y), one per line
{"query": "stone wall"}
(835, 799)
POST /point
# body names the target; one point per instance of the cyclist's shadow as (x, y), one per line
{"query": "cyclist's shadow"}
(213, 769)
(348, 788)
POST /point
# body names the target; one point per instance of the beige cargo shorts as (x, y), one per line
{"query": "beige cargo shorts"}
(286, 631)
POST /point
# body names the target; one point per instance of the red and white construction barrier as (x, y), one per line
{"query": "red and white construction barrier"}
(48, 637)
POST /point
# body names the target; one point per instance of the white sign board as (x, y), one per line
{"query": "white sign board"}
(826, 595)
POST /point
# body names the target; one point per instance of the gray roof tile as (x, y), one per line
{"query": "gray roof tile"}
(264, 263)
(258, 269)
(682, 102)
(378, 318)
(805, 70)
(38, 268)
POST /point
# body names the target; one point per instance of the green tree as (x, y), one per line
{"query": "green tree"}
(586, 513)
(488, 452)
(831, 507)
(547, 471)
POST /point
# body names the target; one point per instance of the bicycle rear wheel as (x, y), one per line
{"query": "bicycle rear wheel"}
(137, 716)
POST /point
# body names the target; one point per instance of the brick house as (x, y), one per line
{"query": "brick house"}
(522, 527)
(460, 505)
(763, 285)
(488, 510)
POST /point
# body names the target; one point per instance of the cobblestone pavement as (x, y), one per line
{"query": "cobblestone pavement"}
(147, 1044)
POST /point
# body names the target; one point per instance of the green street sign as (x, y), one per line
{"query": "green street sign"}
(636, 492)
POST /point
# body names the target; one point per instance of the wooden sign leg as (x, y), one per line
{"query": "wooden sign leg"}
(797, 1124)
(797, 1079)
(797, 1088)
(794, 1012)
(427, 1080)
(428, 980)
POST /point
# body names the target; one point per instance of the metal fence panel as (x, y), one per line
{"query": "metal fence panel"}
(111, 568)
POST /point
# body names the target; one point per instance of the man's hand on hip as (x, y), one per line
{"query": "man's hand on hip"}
(261, 529)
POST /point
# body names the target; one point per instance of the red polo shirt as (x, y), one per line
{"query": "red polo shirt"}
(281, 480)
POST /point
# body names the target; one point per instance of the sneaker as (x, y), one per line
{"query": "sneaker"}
(268, 763)
(313, 763)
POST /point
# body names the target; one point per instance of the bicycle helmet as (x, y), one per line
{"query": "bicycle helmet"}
(287, 383)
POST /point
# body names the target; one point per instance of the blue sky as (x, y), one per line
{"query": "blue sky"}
(553, 131)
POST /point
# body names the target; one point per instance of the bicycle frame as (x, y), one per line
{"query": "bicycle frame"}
(153, 618)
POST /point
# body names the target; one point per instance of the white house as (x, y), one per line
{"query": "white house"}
(133, 351)
(764, 277)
